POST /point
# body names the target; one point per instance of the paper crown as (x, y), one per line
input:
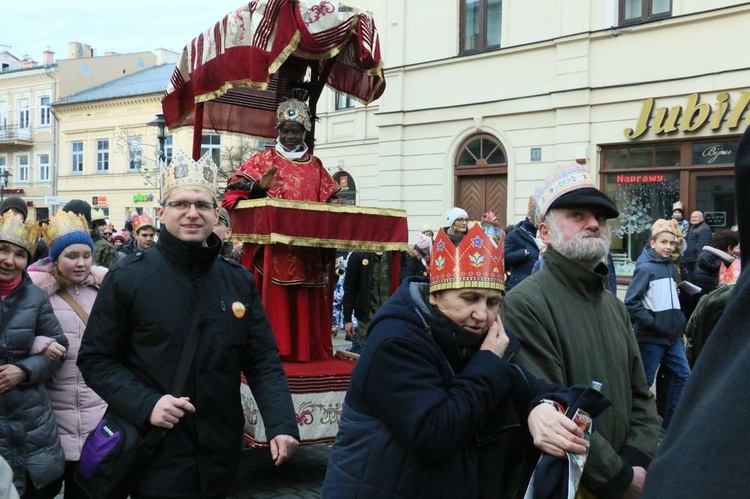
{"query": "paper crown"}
(23, 234)
(426, 227)
(477, 262)
(294, 110)
(64, 222)
(97, 214)
(564, 180)
(678, 206)
(662, 225)
(141, 221)
(729, 275)
(183, 171)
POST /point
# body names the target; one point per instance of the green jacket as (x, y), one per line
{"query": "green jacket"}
(105, 254)
(574, 331)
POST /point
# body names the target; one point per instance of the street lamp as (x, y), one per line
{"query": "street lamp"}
(161, 153)
(4, 183)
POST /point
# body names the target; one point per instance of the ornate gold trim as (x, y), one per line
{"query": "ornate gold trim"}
(314, 206)
(341, 244)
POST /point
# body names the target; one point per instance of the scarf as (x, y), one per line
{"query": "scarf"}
(7, 287)
(299, 152)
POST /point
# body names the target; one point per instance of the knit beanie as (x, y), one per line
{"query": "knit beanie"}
(16, 203)
(70, 238)
(455, 213)
(79, 207)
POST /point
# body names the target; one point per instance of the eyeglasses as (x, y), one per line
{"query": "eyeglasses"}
(185, 205)
(106, 233)
(462, 220)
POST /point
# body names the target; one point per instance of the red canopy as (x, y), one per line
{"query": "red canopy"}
(234, 75)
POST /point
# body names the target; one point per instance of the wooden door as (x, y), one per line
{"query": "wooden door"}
(478, 194)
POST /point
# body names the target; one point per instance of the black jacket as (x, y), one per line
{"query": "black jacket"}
(357, 285)
(420, 422)
(133, 342)
(698, 236)
(521, 253)
(706, 272)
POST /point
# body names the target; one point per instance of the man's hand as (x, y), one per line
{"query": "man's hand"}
(55, 351)
(268, 179)
(496, 340)
(554, 433)
(282, 448)
(349, 328)
(10, 376)
(636, 486)
(169, 410)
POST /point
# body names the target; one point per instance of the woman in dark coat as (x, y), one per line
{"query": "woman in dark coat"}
(521, 252)
(724, 248)
(435, 400)
(28, 432)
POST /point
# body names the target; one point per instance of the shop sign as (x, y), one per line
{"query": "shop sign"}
(694, 116)
(715, 218)
(639, 179)
(143, 198)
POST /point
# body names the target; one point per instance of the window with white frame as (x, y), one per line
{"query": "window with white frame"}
(22, 168)
(168, 151)
(77, 157)
(23, 114)
(212, 142)
(343, 101)
(3, 162)
(3, 118)
(102, 155)
(44, 111)
(42, 166)
(481, 21)
(135, 153)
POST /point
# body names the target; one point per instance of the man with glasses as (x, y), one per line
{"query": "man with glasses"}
(138, 328)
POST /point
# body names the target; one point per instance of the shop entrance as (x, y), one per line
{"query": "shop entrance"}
(481, 171)
(713, 193)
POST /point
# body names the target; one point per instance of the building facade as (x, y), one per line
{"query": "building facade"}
(485, 98)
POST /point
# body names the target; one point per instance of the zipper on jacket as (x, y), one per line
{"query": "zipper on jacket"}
(223, 306)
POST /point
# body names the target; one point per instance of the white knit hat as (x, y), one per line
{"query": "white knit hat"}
(455, 213)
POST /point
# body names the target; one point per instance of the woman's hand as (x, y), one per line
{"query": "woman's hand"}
(10, 376)
(496, 340)
(55, 351)
(554, 433)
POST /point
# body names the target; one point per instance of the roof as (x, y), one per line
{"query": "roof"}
(147, 81)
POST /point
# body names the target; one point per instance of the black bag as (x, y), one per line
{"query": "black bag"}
(112, 455)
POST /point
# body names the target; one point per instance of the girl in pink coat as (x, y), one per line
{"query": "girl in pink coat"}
(69, 269)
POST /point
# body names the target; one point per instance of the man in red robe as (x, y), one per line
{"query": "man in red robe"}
(296, 301)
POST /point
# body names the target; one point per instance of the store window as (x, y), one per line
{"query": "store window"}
(636, 11)
(481, 21)
(645, 180)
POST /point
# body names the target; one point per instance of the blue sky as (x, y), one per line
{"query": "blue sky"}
(107, 25)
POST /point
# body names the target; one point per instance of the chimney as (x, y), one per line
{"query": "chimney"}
(78, 50)
(49, 57)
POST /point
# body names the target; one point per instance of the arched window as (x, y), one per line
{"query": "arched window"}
(481, 177)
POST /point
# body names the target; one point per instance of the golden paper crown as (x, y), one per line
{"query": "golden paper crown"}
(477, 262)
(23, 234)
(662, 225)
(140, 221)
(729, 275)
(97, 214)
(64, 222)
(294, 110)
(183, 171)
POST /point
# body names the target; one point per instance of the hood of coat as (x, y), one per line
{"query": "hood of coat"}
(50, 285)
(650, 255)
(722, 255)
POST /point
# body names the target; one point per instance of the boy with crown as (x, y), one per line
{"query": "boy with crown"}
(435, 396)
(137, 330)
(295, 301)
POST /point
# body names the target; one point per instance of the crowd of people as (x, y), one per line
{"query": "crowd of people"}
(475, 347)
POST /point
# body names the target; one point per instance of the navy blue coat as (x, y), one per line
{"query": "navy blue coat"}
(652, 300)
(417, 422)
(521, 253)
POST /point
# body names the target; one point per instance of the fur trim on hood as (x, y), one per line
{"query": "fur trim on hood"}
(49, 283)
(726, 257)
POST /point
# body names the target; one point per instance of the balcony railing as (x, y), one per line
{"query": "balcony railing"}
(12, 133)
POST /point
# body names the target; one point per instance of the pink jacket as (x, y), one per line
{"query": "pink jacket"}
(77, 408)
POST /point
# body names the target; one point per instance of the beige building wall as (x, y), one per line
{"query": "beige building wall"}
(567, 82)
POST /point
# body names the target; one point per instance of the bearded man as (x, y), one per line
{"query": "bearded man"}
(574, 331)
